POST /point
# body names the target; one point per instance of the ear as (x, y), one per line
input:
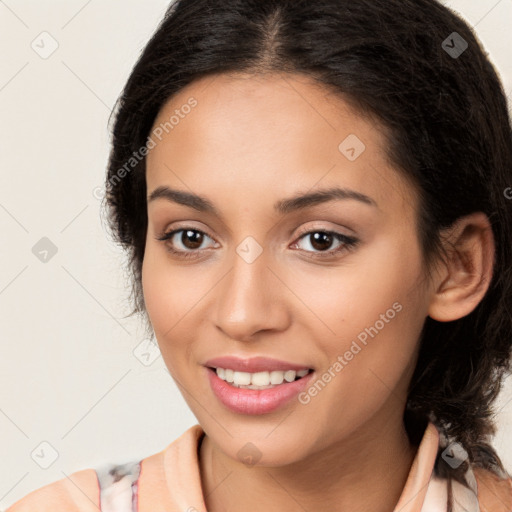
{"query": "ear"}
(465, 276)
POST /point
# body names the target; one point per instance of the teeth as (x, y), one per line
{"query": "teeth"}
(290, 375)
(242, 378)
(276, 377)
(258, 380)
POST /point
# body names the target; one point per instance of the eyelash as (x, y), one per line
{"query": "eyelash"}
(349, 243)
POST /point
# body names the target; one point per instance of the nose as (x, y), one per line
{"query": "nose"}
(251, 299)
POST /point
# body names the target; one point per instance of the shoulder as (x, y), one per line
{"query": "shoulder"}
(178, 463)
(78, 492)
(494, 493)
(147, 480)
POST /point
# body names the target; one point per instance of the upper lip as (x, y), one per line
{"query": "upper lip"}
(253, 364)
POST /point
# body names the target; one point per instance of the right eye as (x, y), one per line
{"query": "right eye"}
(190, 239)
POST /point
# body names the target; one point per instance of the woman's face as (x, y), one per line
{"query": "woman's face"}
(258, 272)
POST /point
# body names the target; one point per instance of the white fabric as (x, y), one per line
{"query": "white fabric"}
(118, 487)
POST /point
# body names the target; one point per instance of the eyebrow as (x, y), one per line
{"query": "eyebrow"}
(284, 206)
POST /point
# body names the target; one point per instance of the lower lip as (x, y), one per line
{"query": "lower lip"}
(256, 401)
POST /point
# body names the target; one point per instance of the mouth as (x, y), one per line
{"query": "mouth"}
(256, 393)
(258, 380)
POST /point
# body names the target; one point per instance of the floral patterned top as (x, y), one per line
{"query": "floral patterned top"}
(170, 481)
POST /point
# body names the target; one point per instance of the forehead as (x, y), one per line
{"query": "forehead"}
(251, 101)
(269, 130)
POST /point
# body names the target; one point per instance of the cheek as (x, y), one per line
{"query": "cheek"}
(371, 315)
(158, 296)
(166, 298)
(168, 292)
(352, 296)
(173, 298)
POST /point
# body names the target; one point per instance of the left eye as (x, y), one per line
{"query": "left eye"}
(322, 240)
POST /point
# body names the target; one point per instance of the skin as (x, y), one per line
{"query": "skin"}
(249, 142)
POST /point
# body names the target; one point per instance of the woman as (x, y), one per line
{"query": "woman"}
(313, 198)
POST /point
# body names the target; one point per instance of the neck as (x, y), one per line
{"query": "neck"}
(366, 471)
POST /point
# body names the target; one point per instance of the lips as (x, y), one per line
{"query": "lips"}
(254, 364)
(254, 401)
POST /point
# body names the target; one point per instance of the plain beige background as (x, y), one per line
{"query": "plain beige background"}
(78, 385)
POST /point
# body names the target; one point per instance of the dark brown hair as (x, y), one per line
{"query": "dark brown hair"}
(404, 62)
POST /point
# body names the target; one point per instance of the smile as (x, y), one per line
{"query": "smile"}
(254, 399)
(258, 380)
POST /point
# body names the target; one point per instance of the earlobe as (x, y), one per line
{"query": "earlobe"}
(467, 271)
